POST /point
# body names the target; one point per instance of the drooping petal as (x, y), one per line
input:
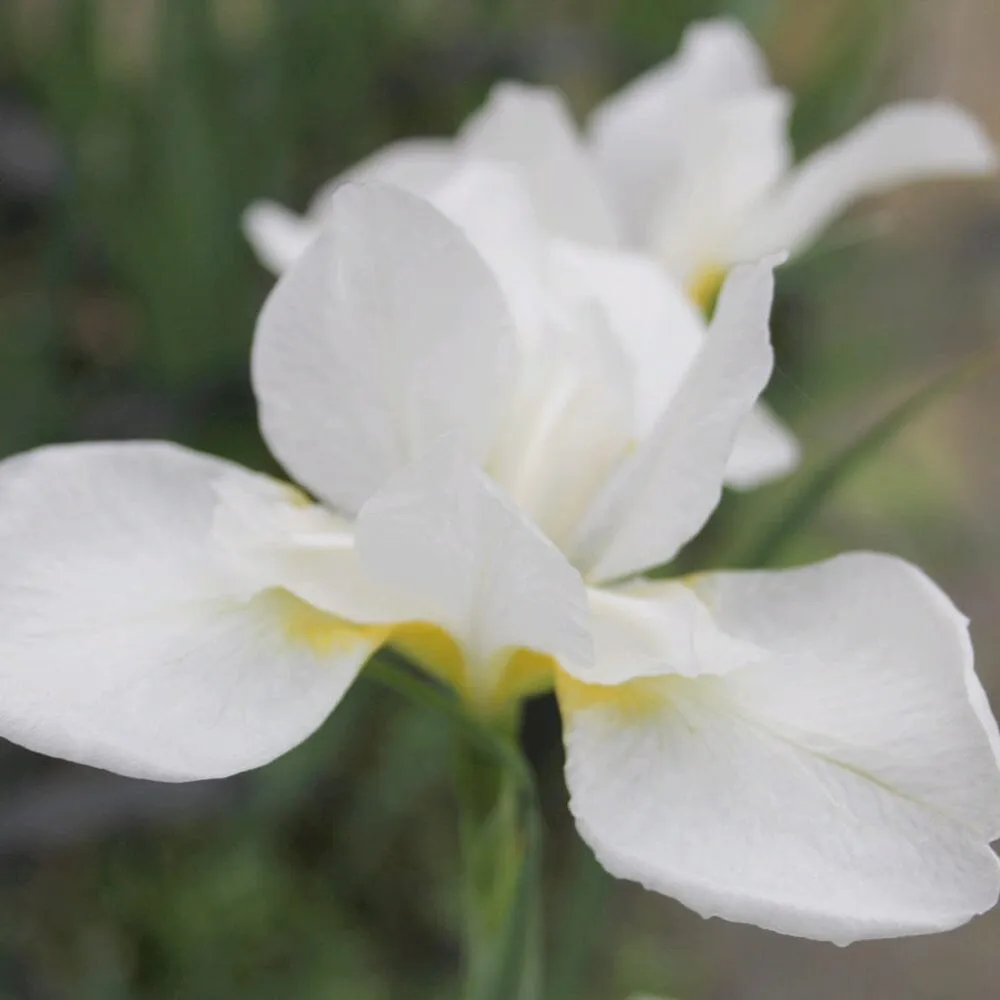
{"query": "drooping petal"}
(389, 331)
(662, 494)
(638, 133)
(656, 325)
(440, 530)
(277, 236)
(844, 785)
(122, 642)
(532, 128)
(765, 450)
(904, 142)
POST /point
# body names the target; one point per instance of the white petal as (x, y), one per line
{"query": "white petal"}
(843, 786)
(491, 204)
(416, 165)
(735, 154)
(655, 323)
(442, 532)
(532, 128)
(873, 629)
(278, 236)
(663, 494)
(898, 144)
(389, 331)
(265, 535)
(122, 645)
(639, 132)
(652, 628)
(765, 450)
(569, 422)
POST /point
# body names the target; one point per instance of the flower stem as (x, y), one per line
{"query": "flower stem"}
(501, 858)
(500, 841)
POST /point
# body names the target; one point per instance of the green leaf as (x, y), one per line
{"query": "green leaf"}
(819, 484)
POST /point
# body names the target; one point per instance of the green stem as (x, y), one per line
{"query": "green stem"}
(500, 840)
(500, 846)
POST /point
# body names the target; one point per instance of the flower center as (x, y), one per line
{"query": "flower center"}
(704, 286)
(489, 687)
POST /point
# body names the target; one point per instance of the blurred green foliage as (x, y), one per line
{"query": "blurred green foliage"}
(127, 304)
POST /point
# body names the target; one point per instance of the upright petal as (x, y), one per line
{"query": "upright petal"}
(532, 127)
(843, 785)
(389, 331)
(653, 321)
(662, 494)
(570, 420)
(441, 531)
(905, 142)
(491, 204)
(122, 642)
(417, 165)
(735, 154)
(276, 235)
(638, 133)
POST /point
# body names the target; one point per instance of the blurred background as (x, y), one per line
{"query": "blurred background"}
(132, 134)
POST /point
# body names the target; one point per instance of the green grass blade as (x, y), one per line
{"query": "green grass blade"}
(819, 484)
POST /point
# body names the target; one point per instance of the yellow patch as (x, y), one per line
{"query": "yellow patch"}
(432, 648)
(705, 285)
(296, 496)
(633, 699)
(516, 675)
(323, 633)
(526, 673)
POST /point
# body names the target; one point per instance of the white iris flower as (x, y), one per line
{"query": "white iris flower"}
(689, 165)
(807, 750)
(696, 156)
(541, 265)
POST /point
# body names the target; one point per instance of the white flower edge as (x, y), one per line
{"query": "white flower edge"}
(841, 783)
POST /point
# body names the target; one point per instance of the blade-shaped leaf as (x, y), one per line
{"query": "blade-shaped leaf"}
(818, 484)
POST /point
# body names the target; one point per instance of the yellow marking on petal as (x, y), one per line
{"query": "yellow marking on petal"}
(323, 633)
(432, 648)
(513, 675)
(297, 497)
(635, 700)
(705, 285)
(525, 674)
